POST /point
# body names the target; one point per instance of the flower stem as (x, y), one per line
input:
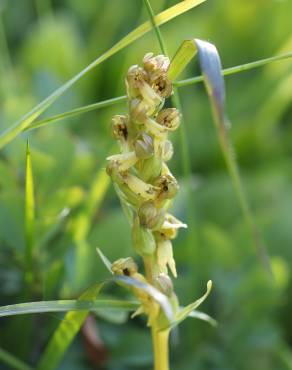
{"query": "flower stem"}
(160, 349)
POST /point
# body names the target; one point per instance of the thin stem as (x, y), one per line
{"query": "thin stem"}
(182, 83)
(237, 69)
(160, 349)
(155, 27)
(148, 262)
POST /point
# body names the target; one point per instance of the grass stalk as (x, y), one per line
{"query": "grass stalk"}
(182, 83)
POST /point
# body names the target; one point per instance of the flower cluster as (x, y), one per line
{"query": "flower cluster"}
(141, 176)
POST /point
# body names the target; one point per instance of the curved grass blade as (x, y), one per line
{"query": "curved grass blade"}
(12, 361)
(66, 305)
(237, 69)
(77, 111)
(159, 297)
(187, 82)
(66, 331)
(29, 217)
(163, 17)
(203, 316)
(210, 65)
(186, 311)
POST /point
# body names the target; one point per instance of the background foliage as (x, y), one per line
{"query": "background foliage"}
(42, 44)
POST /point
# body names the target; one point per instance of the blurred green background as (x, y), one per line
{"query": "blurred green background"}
(45, 42)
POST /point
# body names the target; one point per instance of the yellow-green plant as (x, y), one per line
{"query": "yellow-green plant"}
(144, 185)
(146, 188)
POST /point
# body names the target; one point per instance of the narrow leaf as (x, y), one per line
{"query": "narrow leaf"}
(66, 305)
(13, 362)
(66, 332)
(185, 312)
(210, 65)
(188, 81)
(202, 316)
(163, 17)
(29, 216)
(105, 260)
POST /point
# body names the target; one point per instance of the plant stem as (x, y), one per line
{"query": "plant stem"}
(148, 261)
(160, 349)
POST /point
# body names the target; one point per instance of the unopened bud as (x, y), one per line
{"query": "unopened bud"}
(143, 239)
(169, 117)
(164, 284)
(143, 146)
(151, 217)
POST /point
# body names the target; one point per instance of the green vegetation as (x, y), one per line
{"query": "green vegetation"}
(57, 204)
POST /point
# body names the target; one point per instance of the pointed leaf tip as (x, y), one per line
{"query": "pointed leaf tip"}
(105, 260)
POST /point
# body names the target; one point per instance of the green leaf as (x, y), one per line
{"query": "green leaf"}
(105, 261)
(202, 316)
(66, 305)
(210, 65)
(163, 17)
(29, 216)
(12, 361)
(66, 331)
(186, 311)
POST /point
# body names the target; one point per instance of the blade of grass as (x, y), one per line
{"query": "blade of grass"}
(66, 305)
(181, 83)
(77, 111)
(13, 362)
(165, 16)
(210, 65)
(237, 69)
(66, 332)
(29, 217)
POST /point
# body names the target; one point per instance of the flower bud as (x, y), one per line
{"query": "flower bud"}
(168, 186)
(124, 266)
(143, 239)
(169, 117)
(119, 127)
(135, 78)
(151, 217)
(143, 146)
(164, 284)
